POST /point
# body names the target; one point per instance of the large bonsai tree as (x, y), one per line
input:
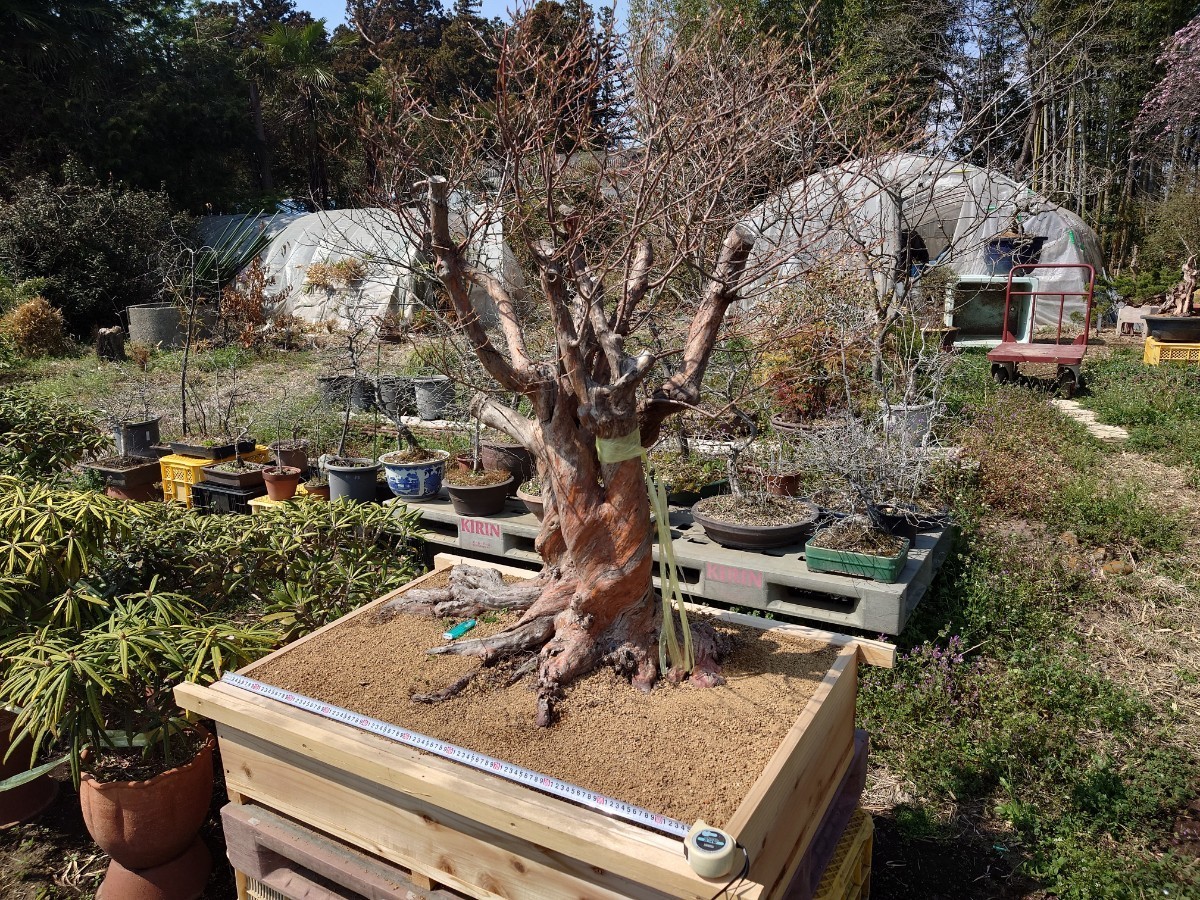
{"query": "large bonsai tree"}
(620, 172)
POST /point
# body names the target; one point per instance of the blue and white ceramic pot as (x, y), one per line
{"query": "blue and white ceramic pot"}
(415, 480)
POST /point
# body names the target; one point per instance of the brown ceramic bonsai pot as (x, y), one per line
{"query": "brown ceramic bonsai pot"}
(20, 804)
(127, 471)
(479, 500)
(292, 453)
(533, 502)
(514, 459)
(142, 824)
(281, 481)
(759, 537)
(247, 476)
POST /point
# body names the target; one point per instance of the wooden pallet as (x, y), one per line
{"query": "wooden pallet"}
(488, 838)
(776, 581)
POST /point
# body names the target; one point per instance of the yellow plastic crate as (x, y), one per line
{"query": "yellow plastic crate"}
(261, 504)
(1159, 352)
(179, 472)
(848, 875)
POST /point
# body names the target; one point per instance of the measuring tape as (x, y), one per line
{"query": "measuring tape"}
(480, 761)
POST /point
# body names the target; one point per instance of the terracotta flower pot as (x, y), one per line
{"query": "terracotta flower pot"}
(320, 491)
(147, 823)
(533, 502)
(777, 483)
(23, 803)
(291, 453)
(182, 878)
(281, 481)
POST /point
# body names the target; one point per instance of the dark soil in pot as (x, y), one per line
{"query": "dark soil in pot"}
(239, 474)
(512, 459)
(757, 522)
(478, 493)
(211, 448)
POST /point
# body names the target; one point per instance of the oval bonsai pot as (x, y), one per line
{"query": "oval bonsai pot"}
(759, 537)
(533, 502)
(415, 480)
(1173, 329)
(20, 804)
(137, 438)
(484, 500)
(142, 824)
(353, 479)
(514, 459)
(281, 481)
(434, 396)
(292, 453)
(251, 476)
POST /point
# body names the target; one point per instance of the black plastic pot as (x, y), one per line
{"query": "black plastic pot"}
(486, 500)
(395, 396)
(219, 451)
(136, 438)
(898, 522)
(1173, 329)
(333, 388)
(357, 481)
(759, 537)
(434, 396)
(689, 498)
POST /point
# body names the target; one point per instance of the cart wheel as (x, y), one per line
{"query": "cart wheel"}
(1068, 383)
(1001, 374)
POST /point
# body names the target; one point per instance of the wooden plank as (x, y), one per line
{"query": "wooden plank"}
(875, 653)
(780, 814)
(609, 844)
(435, 844)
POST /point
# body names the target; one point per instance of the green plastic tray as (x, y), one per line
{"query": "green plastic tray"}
(884, 569)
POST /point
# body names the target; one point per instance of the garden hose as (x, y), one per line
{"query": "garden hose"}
(671, 654)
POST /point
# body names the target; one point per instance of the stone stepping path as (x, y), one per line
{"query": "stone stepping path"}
(1087, 418)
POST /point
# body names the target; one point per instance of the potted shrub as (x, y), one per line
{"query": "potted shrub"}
(415, 473)
(756, 521)
(318, 487)
(530, 493)
(281, 481)
(856, 546)
(144, 774)
(478, 493)
(292, 453)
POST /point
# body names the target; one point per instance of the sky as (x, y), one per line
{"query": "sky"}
(334, 11)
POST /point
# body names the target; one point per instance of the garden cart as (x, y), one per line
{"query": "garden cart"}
(1067, 354)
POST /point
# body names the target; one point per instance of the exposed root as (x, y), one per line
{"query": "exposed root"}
(711, 647)
(470, 591)
(451, 690)
(525, 636)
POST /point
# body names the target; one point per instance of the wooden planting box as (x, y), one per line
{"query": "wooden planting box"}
(484, 837)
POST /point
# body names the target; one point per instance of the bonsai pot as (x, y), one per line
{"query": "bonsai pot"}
(759, 537)
(127, 471)
(884, 569)
(291, 453)
(686, 497)
(214, 451)
(320, 491)
(533, 502)
(142, 492)
(1173, 329)
(434, 396)
(514, 459)
(136, 438)
(395, 396)
(353, 479)
(20, 804)
(899, 522)
(142, 824)
(281, 481)
(415, 480)
(479, 500)
(249, 475)
(778, 483)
